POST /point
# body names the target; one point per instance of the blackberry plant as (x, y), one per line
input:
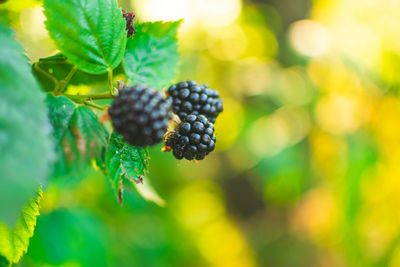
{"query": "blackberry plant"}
(192, 98)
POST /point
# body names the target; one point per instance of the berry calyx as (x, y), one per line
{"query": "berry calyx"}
(141, 115)
(191, 98)
(129, 16)
(193, 139)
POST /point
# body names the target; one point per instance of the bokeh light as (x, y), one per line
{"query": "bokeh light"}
(219, 13)
(309, 38)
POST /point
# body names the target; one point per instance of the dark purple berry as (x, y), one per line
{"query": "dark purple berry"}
(205, 139)
(194, 138)
(191, 98)
(178, 154)
(140, 115)
(198, 127)
(185, 128)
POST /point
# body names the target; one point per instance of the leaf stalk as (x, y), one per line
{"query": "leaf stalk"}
(86, 97)
(63, 83)
(93, 105)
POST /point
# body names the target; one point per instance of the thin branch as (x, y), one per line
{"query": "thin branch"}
(46, 74)
(93, 105)
(54, 62)
(65, 81)
(81, 98)
(110, 82)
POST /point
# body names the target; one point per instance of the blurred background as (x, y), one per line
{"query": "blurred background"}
(307, 167)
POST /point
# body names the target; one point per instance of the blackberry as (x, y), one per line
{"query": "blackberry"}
(194, 138)
(191, 98)
(141, 115)
(129, 16)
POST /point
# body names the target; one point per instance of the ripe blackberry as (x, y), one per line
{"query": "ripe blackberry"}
(141, 115)
(194, 138)
(191, 98)
(129, 16)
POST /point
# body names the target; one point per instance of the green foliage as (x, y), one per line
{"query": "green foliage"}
(91, 33)
(124, 162)
(4, 262)
(67, 235)
(4, 14)
(151, 56)
(61, 110)
(14, 243)
(362, 153)
(78, 134)
(25, 143)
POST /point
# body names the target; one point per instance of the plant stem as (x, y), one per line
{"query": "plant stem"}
(93, 105)
(110, 82)
(123, 67)
(48, 75)
(82, 98)
(63, 83)
(54, 62)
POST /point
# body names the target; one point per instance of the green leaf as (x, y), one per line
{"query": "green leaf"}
(91, 136)
(61, 110)
(14, 243)
(26, 149)
(78, 135)
(151, 57)
(91, 33)
(4, 18)
(4, 262)
(68, 236)
(147, 191)
(59, 67)
(125, 162)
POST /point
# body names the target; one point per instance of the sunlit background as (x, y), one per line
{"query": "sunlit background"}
(307, 167)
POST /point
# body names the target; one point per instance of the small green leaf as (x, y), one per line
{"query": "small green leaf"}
(125, 162)
(61, 110)
(78, 135)
(14, 243)
(26, 148)
(91, 136)
(91, 33)
(151, 57)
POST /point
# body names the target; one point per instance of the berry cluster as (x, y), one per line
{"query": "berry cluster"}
(141, 115)
(191, 98)
(129, 16)
(197, 106)
(194, 138)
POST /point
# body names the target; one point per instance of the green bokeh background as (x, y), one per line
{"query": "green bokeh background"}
(306, 171)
